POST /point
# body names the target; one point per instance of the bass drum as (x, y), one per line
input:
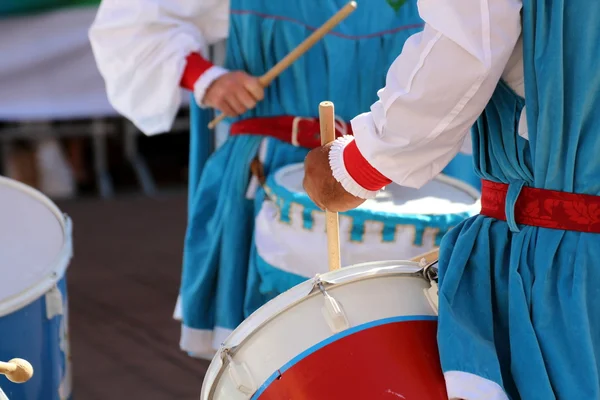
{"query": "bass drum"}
(362, 332)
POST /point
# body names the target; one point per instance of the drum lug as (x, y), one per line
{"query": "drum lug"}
(430, 273)
(240, 375)
(333, 312)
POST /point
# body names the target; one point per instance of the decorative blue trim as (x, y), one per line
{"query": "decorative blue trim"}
(284, 198)
(335, 338)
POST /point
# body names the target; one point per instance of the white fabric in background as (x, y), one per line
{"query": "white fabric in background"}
(48, 70)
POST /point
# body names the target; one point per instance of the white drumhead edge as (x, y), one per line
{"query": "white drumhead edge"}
(456, 183)
(292, 297)
(29, 295)
(465, 187)
(299, 292)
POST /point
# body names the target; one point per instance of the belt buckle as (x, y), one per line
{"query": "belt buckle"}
(295, 123)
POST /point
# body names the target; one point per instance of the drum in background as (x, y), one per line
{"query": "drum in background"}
(35, 250)
(362, 332)
(400, 223)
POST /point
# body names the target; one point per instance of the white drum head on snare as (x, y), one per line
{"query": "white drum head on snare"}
(443, 195)
(32, 243)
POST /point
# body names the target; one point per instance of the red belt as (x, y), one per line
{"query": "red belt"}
(543, 208)
(299, 131)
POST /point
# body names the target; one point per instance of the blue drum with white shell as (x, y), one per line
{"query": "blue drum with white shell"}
(35, 251)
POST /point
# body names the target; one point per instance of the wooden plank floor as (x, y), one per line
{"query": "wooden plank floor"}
(123, 284)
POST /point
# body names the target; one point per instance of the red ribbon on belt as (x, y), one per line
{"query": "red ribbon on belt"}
(299, 131)
(543, 208)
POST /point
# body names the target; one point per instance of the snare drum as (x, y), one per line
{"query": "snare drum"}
(400, 223)
(362, 332)
(35, 250)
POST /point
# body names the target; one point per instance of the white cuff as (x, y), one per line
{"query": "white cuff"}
(466, 386)
(205, 80)
(340, 173)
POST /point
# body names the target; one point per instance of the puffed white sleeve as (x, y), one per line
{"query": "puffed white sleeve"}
(434, 92)
(141, 47)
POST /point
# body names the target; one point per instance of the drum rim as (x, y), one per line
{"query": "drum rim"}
(32, 293)
(273, 187)
(208, 385)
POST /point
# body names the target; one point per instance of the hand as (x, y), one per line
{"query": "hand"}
(322, 187)
(234, 93)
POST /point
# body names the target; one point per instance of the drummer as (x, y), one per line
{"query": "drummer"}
(518, 309)
(147, 49)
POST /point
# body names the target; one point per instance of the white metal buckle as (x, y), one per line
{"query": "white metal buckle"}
(340, 126)
(295, 124)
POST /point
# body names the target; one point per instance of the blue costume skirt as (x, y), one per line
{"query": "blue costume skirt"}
(518, 320)
(217, 284)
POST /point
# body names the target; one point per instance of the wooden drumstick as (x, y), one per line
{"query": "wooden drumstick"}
(429, 257)
(302, 48)
(327, 121)
(17, 370)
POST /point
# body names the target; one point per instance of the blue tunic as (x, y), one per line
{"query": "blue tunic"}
(518, 304)
(220, 283)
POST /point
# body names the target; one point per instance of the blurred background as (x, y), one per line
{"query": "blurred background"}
(125, 192)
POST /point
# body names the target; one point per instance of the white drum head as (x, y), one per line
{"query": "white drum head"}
(443, 195)
(34, 245)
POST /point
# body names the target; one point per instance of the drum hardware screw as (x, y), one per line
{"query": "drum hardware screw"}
(430, 272)
(322, 289)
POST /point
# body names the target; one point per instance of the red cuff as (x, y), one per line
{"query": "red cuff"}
(361, 171)
(195, 66)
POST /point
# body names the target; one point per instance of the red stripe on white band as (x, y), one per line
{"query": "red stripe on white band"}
(361, 170)
(196, 65)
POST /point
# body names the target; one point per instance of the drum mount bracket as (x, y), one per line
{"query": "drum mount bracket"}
(430, 273)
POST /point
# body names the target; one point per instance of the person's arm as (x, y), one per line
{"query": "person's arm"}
(147, 50)
(435, 90)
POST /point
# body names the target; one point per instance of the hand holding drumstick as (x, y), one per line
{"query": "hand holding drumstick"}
(238, 91)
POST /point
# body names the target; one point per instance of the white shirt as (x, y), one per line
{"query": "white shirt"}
(141, 46)
(434, 90)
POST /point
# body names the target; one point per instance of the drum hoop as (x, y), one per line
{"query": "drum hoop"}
(275, 190)
(61, 263)
(458, 184)
(232, 351)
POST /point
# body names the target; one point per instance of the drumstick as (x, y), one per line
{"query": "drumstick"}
(16, 370)
(302, 48)
(429, 257)
(327, 121)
